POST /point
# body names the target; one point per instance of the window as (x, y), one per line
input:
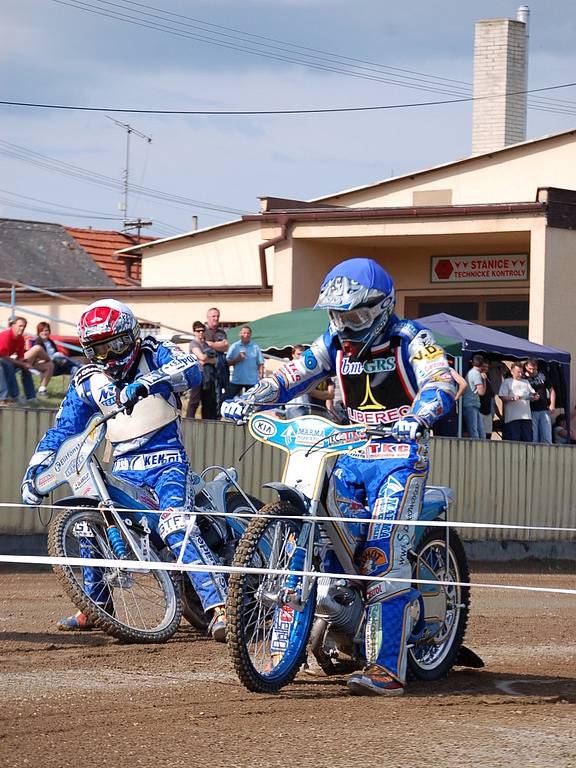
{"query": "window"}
(508, 314)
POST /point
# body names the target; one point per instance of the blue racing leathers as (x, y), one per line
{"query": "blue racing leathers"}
(403, 373)
(147, 451)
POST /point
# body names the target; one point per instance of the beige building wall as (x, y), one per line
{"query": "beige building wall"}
(224, 256)
(511, 176)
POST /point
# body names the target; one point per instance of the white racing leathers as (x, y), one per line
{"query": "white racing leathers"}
(147, 451)
(404, 372)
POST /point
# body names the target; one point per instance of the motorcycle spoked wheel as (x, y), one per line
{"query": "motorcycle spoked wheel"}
(192, 609)
(141, 607)
(253, 622)
(431, 659)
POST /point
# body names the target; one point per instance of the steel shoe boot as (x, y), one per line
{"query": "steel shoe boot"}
(374, 681)
(217, 627)
(78, 622)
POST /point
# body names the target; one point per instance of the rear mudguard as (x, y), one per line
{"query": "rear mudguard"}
(291, 495)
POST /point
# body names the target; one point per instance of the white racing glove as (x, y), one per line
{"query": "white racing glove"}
(406, 429)
(28, 490)
(236, 410)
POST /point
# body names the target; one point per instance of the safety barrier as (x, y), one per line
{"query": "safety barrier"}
(510, 484)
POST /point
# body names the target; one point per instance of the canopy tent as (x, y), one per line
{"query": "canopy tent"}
(496, 345)
(277, 333)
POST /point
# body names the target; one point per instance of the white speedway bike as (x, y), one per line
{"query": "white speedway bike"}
(279, 621)
(144, 606)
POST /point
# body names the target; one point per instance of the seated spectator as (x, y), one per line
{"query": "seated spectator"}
(560, 432)
(207, 359)
(63, 365)
(12, 359)
(5, 398)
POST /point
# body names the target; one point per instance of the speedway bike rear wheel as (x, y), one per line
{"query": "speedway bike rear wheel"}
(433, 654)
(139, 607)
(267, 639)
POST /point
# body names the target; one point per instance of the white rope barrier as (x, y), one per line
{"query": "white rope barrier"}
(317, 518)
(139, 565)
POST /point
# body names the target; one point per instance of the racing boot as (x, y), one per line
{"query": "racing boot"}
(374, 681)
(78, 622)
(217, 627)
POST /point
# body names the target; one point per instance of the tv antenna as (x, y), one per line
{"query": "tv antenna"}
(126, 175)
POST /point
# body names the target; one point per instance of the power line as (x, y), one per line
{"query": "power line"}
(38, 160)
(259, 45)
(248, 112)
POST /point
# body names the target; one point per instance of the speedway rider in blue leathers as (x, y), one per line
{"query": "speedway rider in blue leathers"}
(146, 376)
(391, 373)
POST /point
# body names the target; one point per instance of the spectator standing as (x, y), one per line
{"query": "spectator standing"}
(12, 359)
(300, 405)
(248, 361)
(544, 406)
(476, 381)
(207, 359)
(447, 426)
(217, 340)
(516, 394)
(488, 404)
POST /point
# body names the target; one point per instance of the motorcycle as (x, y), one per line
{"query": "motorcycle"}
(284, 618)
(144, 605)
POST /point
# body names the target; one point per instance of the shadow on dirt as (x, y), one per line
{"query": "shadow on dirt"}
(492, 687)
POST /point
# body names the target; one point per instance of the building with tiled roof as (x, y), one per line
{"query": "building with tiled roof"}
(102, 246)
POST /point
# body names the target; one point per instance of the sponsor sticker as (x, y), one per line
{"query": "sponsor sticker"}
(264, 427)
(373, 559)
(378, 365)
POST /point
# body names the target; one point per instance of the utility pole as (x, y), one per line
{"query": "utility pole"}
(139, 223)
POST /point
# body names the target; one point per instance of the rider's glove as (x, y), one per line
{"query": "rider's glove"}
(234, 409)
(406, 429)
(29, 494)
(131, 393)
(28, 490)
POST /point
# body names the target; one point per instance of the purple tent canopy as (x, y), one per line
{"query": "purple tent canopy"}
(477, 338)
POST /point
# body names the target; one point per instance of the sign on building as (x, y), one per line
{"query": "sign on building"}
(467, 269)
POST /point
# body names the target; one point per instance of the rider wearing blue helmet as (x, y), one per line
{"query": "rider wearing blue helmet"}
(391, 372)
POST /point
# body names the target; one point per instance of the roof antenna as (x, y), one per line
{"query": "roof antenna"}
(139, 223)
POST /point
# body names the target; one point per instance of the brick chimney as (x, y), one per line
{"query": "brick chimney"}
(500, 67)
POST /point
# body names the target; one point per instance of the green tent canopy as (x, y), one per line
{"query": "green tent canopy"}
(301, 326)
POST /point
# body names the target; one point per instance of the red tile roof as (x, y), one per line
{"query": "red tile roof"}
(102, 245)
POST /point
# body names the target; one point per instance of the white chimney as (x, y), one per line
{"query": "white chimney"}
(500, 67)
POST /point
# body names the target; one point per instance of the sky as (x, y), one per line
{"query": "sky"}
(68, 166)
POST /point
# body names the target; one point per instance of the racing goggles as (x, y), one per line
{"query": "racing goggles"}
(354, 319)
(112, 349)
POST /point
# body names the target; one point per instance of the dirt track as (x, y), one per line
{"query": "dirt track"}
(85, 700)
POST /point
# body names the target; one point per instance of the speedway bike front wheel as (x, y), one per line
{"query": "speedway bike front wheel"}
(267, 637)
(434, 651)
(135, 606)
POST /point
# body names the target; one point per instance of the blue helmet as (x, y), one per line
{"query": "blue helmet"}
(359, 297)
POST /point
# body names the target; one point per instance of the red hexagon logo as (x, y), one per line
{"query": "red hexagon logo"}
(443, 269)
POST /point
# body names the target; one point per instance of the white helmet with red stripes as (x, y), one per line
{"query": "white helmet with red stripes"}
(110, 336)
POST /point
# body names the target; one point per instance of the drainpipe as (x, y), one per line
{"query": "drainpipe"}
(284, 222)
